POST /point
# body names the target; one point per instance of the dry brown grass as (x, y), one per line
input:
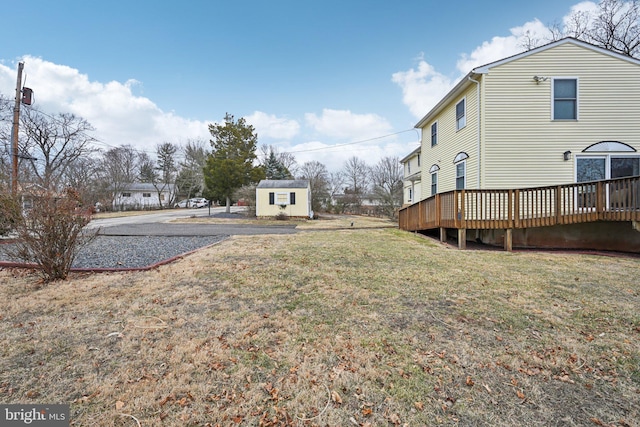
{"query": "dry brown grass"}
(348, 327)
(326, 222)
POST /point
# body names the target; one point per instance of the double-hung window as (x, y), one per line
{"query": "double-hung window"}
(460, 175)
(565, 99)
(461, 114)
(434, 134)
(434, 183)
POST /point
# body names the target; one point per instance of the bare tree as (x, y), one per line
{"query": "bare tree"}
(56, 143)
(120, 167)
(318, 176)
(356, 174)
(386, 176)
(190, 179)
(615, 26)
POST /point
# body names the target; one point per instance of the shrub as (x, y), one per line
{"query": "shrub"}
(9, 213)
(50, 234)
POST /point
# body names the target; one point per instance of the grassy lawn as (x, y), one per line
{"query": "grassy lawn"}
(368, 327)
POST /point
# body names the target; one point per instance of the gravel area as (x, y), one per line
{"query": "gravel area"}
(134, 251)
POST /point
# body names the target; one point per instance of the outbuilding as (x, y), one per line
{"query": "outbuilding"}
(288, 197)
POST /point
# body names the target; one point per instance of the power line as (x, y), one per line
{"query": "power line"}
(350, 143)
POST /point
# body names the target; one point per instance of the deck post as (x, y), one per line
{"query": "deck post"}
(443, 234)
(508, 240)
(462, 238)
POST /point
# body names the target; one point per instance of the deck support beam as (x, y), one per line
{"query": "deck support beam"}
(508, 240)
(462, 238)
(443, 234)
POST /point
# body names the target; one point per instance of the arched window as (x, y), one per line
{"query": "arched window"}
(461, 170)
(434, 179)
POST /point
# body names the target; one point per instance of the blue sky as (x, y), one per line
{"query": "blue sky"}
(311, 76)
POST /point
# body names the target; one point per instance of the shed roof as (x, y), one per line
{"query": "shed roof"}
(283, 183)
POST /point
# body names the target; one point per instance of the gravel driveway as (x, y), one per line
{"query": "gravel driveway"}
(145, 245)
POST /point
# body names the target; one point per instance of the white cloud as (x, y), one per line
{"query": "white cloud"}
(118, 116)
(422, 88)
(348, 126)
(271, 126)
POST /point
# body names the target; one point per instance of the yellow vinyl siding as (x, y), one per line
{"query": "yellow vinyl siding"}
(523, 145)
(450, 143)
(264, 209)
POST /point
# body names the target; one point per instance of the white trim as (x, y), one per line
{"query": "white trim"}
(609, 146)
(553, 98)
(434, 174)
(460, 157)
(435, 123)
(458, 127)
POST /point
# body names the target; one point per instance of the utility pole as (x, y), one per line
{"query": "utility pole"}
(14, 133)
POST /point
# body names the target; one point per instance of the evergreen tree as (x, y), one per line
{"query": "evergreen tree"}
(230, 164)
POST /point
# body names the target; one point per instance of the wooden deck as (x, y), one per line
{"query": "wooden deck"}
(608, 200)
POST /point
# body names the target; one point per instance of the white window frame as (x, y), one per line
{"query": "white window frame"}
(553, 99)
(434, 183)
(461, 122)
(434, 136)
(281, 198)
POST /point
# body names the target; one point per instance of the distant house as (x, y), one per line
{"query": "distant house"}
(283, 197)
(140, 196)
(412, 177)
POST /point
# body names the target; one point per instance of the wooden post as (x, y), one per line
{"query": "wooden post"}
(508, 240)
(14, 133)
(462, 238)
(443, 234)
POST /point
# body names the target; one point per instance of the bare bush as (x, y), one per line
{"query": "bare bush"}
(9, 213)
(50, 233)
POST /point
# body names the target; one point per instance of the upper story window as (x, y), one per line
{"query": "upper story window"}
(434, 134)
(461, 114)
(418, 160)
(409, 167)
(565, 99)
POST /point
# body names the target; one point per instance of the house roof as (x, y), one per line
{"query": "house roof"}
(146, 186)
(283, 183)
(410, 155)
(468, 80)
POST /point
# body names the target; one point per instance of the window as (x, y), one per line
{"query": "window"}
(461, 115)
(272, 198)
(565, 99)
(146, 194)
(418, 160)
(460, 175)
(410, 195)
(409, 167)
(434, 133)
(292, 198)
(434, 183)
(126, 194)
(282, 198)
(434, 178)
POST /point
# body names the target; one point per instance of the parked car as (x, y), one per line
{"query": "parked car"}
(196, 202)
(182, 204)
(199, 202)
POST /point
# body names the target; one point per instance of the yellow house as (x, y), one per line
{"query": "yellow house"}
(564, 112)
(283, 197)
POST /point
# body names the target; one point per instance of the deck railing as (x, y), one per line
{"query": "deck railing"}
(608, 200)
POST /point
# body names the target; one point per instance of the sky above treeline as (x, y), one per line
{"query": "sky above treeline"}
(324, 80)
